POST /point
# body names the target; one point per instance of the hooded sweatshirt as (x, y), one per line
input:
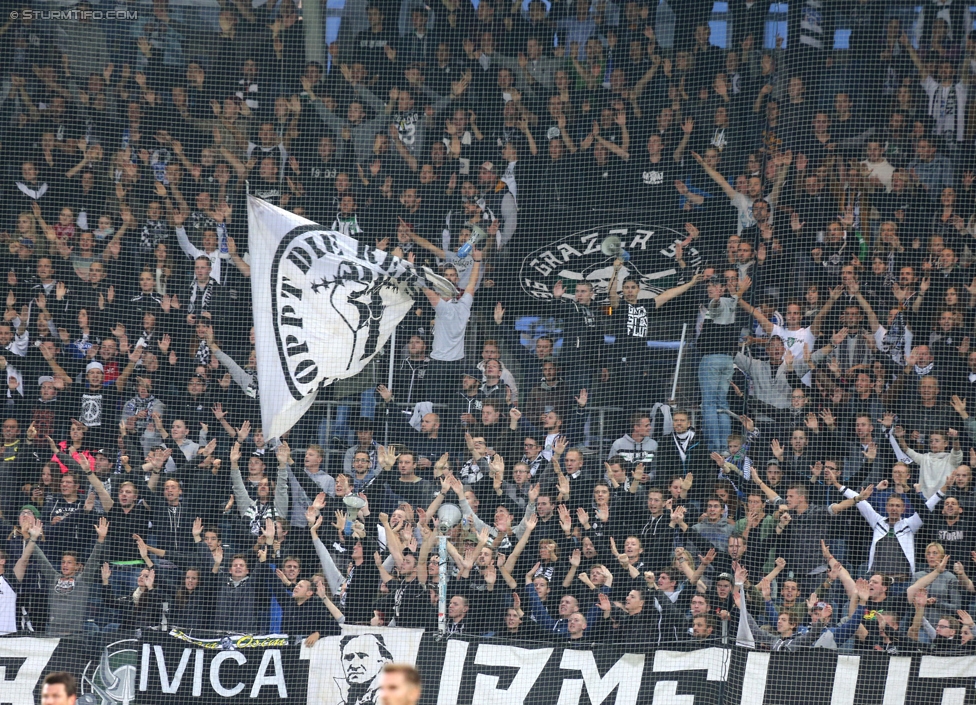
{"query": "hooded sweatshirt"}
(634, 451)
(934, 468)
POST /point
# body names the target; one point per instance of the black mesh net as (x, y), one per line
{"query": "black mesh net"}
(564, 352)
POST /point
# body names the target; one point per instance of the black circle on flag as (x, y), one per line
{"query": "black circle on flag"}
(578, 258)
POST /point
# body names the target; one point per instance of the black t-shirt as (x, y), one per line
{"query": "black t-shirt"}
(651, 186)
(875, 641)
(138, 520)
(598, 185)
(98, 410)
(631, 325)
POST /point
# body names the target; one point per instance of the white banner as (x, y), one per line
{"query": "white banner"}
(345, 669)
(324, 306)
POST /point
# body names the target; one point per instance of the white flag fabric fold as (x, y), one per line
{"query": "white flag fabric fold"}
(324, 306)
(744, 636)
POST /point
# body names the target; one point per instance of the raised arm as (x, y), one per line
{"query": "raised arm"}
(530, 524)
(20, 568)
(425, 243)
(687, 127)
(104, 497)
(760, 317)
(612, 286)
(927, 579)
(281, 483)
(771, 494)
(430, 538)
(873, 322)
(916, 59)
(332, 573)
(715, 176)
(821, 316)
(241, 498)
(675, 292)
(475, 271)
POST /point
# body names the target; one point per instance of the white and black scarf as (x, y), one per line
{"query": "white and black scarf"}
(200, 301)
(203, 353)
(924, 371)
(682, 441)
(153, 232)
(31, 192)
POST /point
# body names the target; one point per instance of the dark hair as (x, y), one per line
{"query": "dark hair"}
(380, 643)
(886, 580)
(709, 620)
(65, 679)
(182, 596)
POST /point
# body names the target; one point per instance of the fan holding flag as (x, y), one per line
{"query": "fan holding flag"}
(324, 307)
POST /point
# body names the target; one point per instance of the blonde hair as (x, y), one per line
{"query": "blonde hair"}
(936, 544)
(553, 548)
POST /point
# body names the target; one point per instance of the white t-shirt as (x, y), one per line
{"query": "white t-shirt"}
(882, 171)
(8, 607)
(450, 320)
(743, 204)
(794, 340)
(947, 106)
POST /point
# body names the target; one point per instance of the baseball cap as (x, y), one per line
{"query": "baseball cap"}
(94, 365)
(32, 509)
(488, 166)
(472, 372)
(724, 576)
(44, 378)
(772, 461)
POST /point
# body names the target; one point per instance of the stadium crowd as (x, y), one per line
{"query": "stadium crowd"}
(815, 480)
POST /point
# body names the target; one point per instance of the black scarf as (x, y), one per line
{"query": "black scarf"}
(200, 302)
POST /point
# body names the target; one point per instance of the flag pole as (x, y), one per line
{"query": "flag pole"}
(389, 376)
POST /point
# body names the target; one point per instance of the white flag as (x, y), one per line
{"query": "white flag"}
(324, 306)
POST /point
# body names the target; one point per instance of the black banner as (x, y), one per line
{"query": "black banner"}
(578, 258)
(159, 668)
(476, 672)
(164, 669)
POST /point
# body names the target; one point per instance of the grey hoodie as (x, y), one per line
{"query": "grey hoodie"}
(68, 597)
(634, 451)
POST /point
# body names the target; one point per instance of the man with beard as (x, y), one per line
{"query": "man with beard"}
(683, 452)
